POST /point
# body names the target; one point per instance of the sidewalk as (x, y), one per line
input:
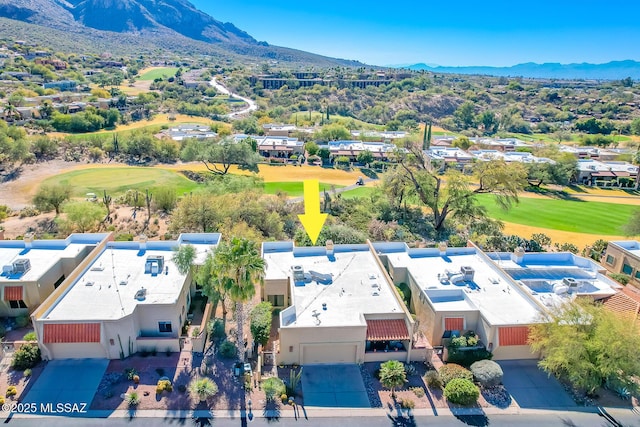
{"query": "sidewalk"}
(315, 412)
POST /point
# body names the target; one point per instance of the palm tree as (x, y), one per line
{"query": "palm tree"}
(392, 375)
(240, 261)
(215, 285)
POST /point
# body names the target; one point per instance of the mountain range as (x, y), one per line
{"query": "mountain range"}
(609, 71)
(121, 25)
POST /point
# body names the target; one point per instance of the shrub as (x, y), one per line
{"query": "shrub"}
(2, 400)
(273, 387)
(487, 372)
(25, 357)
(22, 321)
(260, 322)
(28, 372)
(467, 357)
(433, 379)
(11, 391)
(283, 397)
(409, 369)
(163, 385)
(228, 350)
(132, 399)
(461, 391)
(407, 404)
(418, 391)
(621, 278)
(203, 388)
(130, 373)
(31, 336)
(452, 371)
(195, 332)
(216, 329)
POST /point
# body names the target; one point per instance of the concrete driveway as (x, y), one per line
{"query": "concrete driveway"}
(72, 381)
(531, 387)
(334, 386)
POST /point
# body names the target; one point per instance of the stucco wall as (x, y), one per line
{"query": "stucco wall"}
(293, 339)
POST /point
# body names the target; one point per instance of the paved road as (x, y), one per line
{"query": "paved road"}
(529, 419)
(222, 89)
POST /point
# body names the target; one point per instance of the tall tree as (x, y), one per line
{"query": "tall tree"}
(219, 156)
(589, 345)
(51, 197)
(215, 284)
(240, 261)
(453, 194)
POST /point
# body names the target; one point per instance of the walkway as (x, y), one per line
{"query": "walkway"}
(253, 106)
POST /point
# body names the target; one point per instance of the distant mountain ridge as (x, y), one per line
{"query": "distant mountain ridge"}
(613, 70)
(123, 25)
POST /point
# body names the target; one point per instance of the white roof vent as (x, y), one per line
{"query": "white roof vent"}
(141, 294)
(89, 283)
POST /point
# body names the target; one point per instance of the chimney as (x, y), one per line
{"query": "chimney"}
(518, 255)
(28, 240)
(329, 246)
(442, 247)
(143, 242)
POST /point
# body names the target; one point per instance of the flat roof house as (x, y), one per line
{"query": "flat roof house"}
(32, 269)
(498, 295)
(623, 257)
(338, 305)
(127, 297)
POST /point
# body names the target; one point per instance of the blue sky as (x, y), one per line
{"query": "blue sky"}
(455, 33)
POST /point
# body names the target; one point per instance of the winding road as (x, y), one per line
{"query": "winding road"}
(236, 114)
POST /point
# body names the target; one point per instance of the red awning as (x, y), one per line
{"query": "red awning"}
(13, 293)
(605, 173)
(387, 330)
(71, 332)
(622, 174)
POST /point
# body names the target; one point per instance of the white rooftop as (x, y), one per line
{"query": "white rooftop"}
(42, 255)
(107, 289)
(354, 284)
(631, 246)
(490, 291)
(553, 277)
(598, 166)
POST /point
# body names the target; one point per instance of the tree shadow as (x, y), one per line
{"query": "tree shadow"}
(271, 411)
(479, 420)
(402, 421)
(250, 168)
(369, 173)
(11, 175)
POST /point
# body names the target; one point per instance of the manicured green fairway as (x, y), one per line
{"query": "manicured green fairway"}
(293, 189)
(159, 73)
(358, 192)
(117, 180)
(567, 215)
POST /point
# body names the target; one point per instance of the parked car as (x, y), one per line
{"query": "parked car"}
(360, 181)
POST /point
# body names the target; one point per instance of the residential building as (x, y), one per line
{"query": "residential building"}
(277, 129)
(351, 149)
(496, 295)
(387, 134)
(281, 147)
(337, 304)
(62, 85)
(606, 174)
(126, 297)
(450, 156)
(33, 269)
(186, 131)
(623, 257)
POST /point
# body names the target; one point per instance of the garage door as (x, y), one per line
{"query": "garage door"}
(77, 351)
(328, 354)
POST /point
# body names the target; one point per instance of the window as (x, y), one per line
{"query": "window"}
(17, 304)
(627, 269)
(610, 260)
(637, 275)
(276, 300)
(164, 326)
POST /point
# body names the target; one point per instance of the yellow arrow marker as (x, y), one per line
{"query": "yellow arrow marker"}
(312, 220)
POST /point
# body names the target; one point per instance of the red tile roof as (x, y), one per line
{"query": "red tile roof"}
(386, 330)
(622, 303)
(71, 332)
(13, 293)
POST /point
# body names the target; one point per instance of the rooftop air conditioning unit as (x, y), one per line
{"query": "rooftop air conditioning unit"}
(21, 265)
(570, 282)
(298, 273)
(467, 273)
